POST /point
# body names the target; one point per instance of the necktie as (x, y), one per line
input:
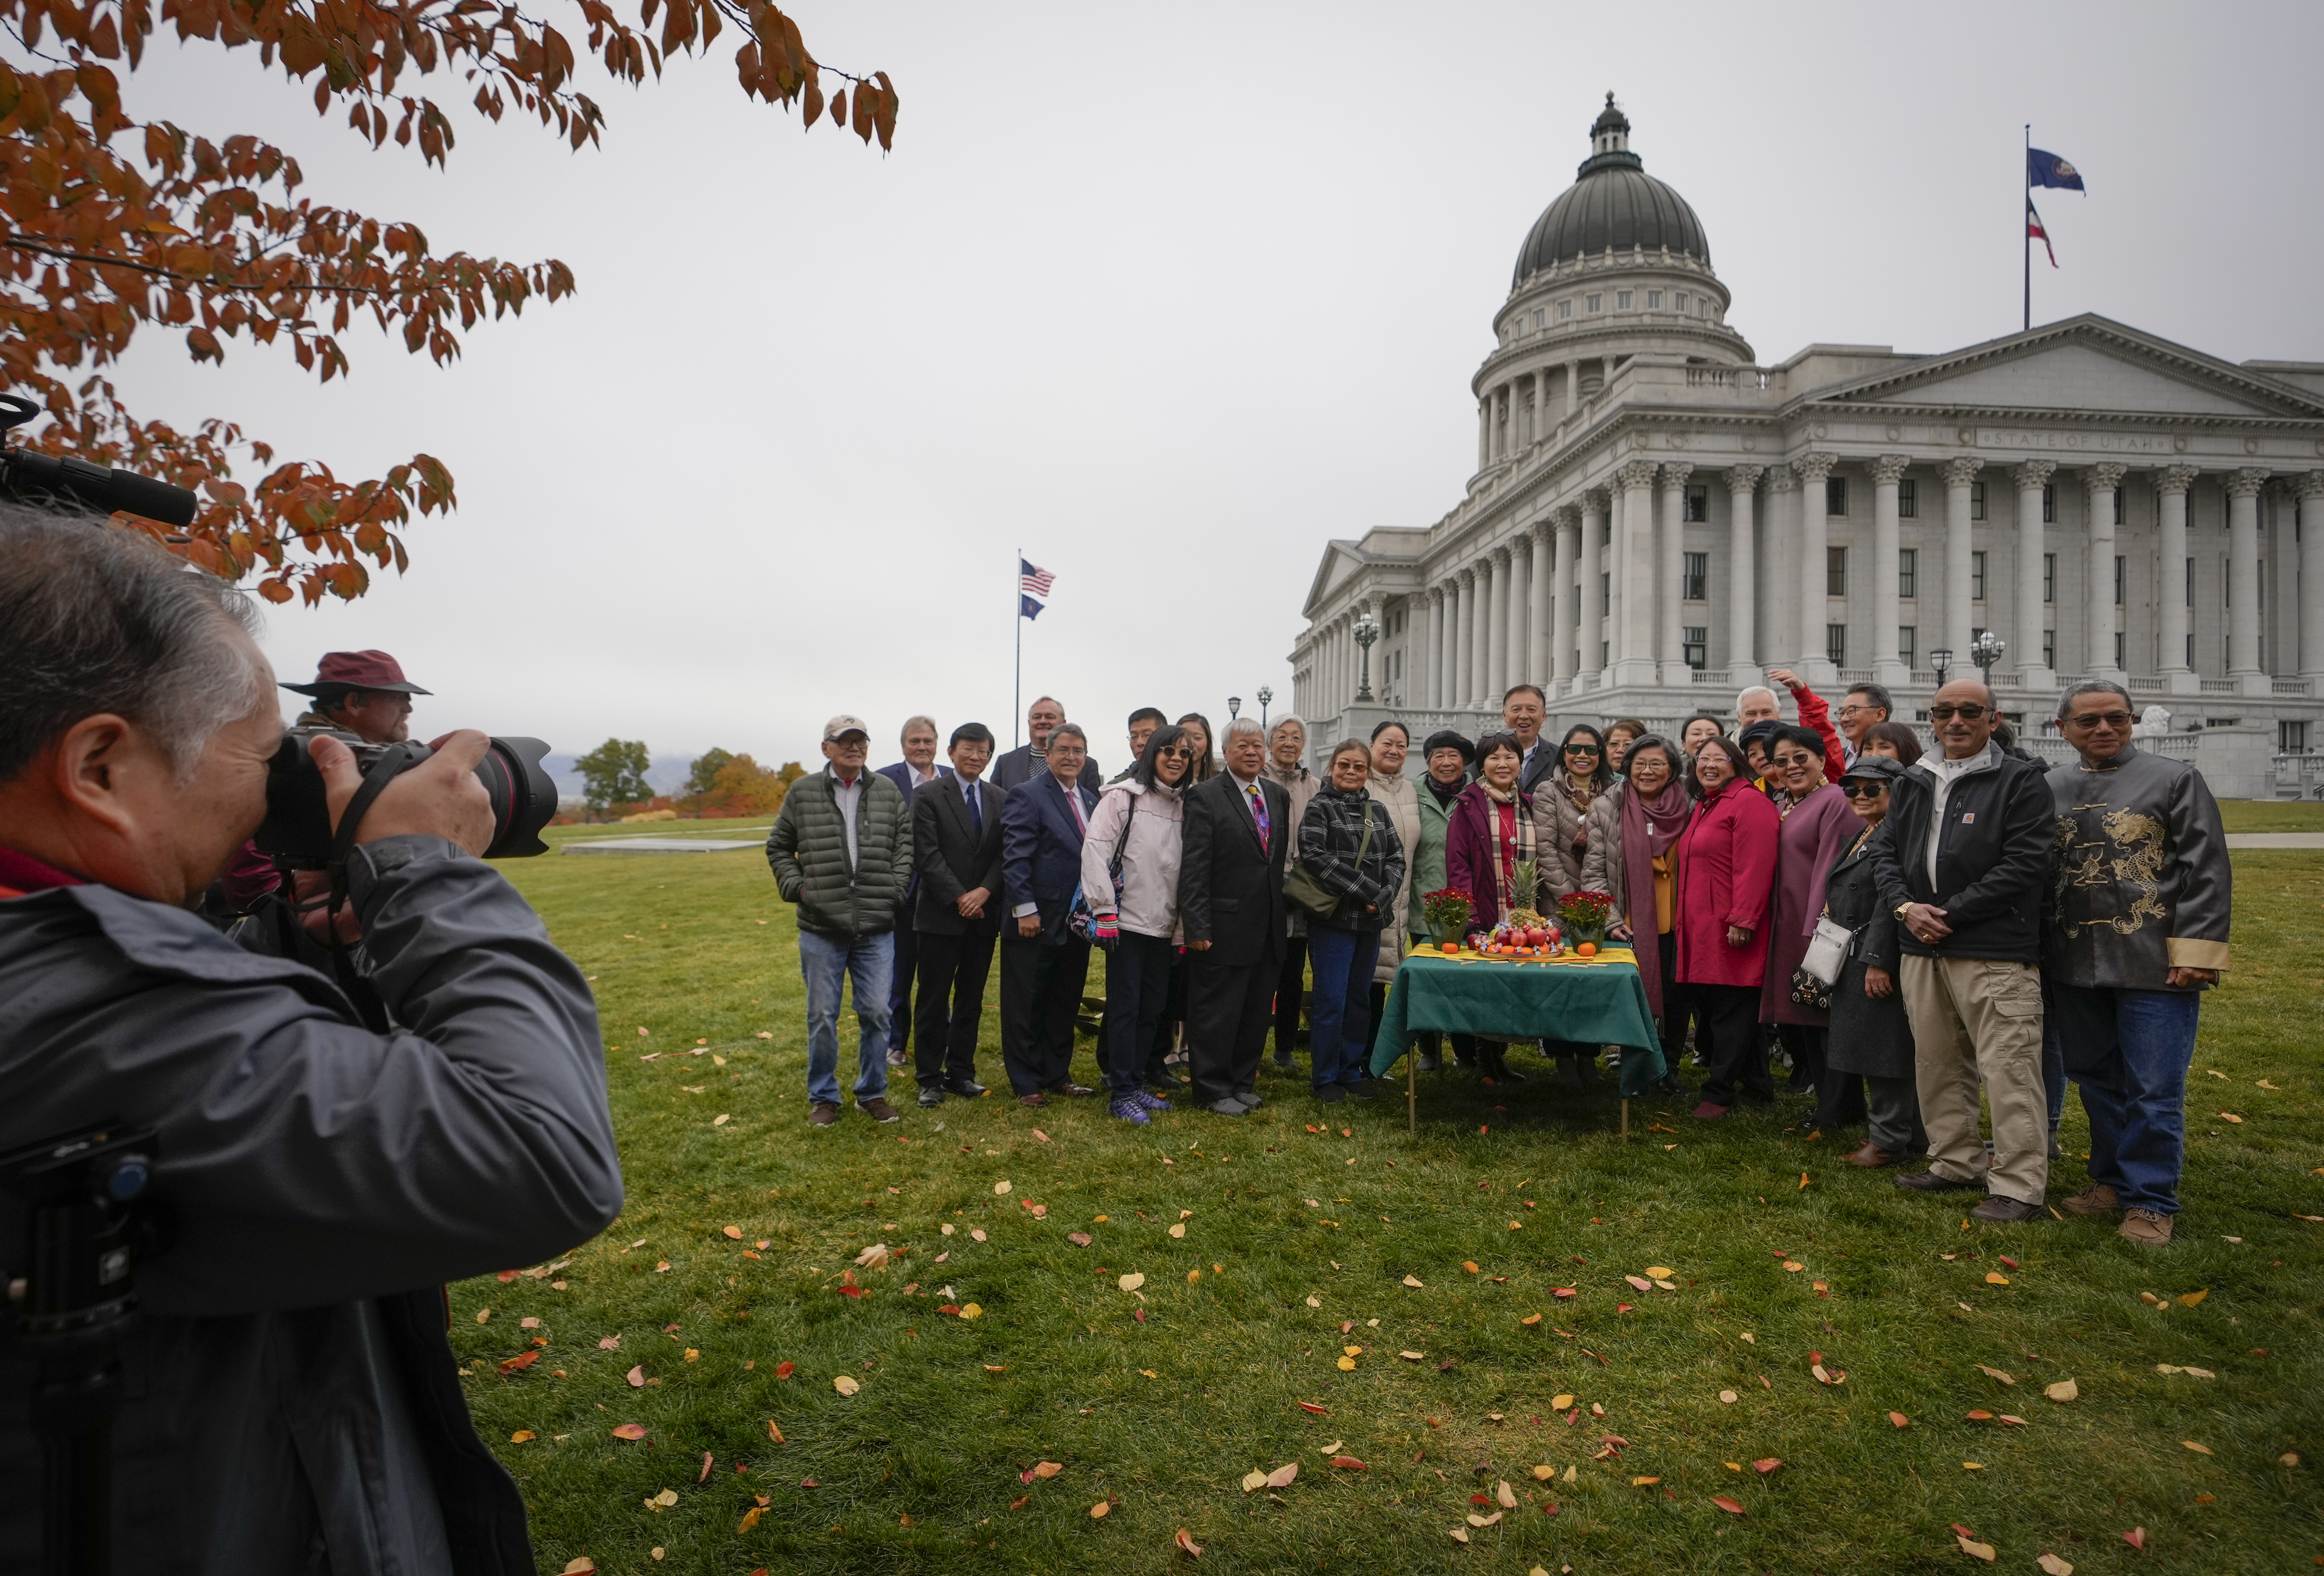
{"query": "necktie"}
(1258, 814)
(1073, 799)
(975, 809)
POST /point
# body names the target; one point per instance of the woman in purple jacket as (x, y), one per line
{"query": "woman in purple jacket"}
(1818, 825)
(1489, 835)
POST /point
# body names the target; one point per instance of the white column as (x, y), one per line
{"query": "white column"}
(1779, 585)
(1959, 614)
(1521, 570)
(1590, 632)
(1494, 668)
(1464, 640)
(1485, 430)
(2098, 484)
(1887, 666)
(1540, 631)
(2311, 581)
(1418, 643)
(1742, 575)
(2030, 478)
(1563, 620)
(1636, 540)
(1670, 571)
(1813, 574)
(2170, 485)
(1448, 644)
(2242, 580)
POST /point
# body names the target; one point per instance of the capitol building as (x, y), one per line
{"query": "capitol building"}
(1657, 518)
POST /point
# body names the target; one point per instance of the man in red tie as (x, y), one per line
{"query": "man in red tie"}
(1230, 902)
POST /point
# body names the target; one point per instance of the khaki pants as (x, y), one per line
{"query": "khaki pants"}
(1978, 1017)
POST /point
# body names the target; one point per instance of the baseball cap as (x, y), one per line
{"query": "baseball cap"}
(842, 726)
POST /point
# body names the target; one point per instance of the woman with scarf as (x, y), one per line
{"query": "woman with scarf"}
(1633, 858)
(1448, 756)
(1287, 747)
(1816, 827)
(1561, 802)
(1348, 846)
(1726, 868)
(1492, 832)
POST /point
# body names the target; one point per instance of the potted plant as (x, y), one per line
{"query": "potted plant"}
(1585, 915)
(1445, 912)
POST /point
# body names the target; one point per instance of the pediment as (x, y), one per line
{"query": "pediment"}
(2088, 364)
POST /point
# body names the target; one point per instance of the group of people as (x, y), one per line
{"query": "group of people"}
(1909, 929)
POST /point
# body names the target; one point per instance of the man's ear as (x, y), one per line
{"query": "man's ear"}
(88, 760)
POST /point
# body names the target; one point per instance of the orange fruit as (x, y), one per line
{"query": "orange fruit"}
(1588, 949)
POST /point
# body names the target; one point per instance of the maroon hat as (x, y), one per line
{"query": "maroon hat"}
(358, 670)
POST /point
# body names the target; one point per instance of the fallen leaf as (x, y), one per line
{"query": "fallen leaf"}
(637, 1376)
(1412, 1355)
(1731, 1506)
(2201, 1450)
(1994, 1277)
(1047, 1468)
(1545, 1473)
(1312, 1407)
(1412, 1280)
(1190, 1548)
(1347, 1365)
(1643, 1482)
(844, 1385)
(1001, 1186)
(1659, 1272)
(2053, 1565)
(1563, 1293)
(1530, 1319)
(629, 1431)
(1972, 1466)
(1020, 1502)
(750, 1518)
(775, 1433)
(522, 1361)
(1996, 1373)
(1457, 1533)
(1729, 1398)
(2010, 1421)
(1131, 1282)
(2231, 1117)
(1766, 1464)
(1079, 1239)
(1254, 1479)
(1560, 1402)
(1899, 1419)
(2137, 1538)
(2189, 1299)
(2063, 1390)
(1640, 1281)
(1803, 1179)
(1283, 1476)
(1491, 1520)
(1098, 1511)
(1791, 1266)
(976, 1234)
(521, 1434)
(784, 1370)
(1350, 1462)
(971, 1311)
(1972, 1547)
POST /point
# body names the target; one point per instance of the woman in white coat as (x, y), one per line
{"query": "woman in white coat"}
(1135, 835)
(1395, 792)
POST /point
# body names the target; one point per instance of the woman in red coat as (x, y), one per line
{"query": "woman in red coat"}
(1726, 872)
(1817, 825)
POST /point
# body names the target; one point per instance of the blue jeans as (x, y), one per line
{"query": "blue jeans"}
(827, 962)
(2053, 1058)
(1136, 989)
(2130, 1050)
(1339, 1004)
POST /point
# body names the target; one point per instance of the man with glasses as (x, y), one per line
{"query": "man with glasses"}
(2140, 893)
(1524, 709)
(1043, 964)
(1962, 860)
(1866, 704)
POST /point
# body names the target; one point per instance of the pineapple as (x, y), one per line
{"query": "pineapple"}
(1525, 880)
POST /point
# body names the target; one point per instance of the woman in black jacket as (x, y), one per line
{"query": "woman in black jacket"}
(1870, 1036)
(1347, 843)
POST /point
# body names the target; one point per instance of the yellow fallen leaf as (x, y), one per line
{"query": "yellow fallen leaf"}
(2054, 1566)
(1793, 1266)
(946, 1228)
(1972, 1466)
(774, 1432)
(1098, 1511)
(1470, 1265)
(2228, 1115)
(1412, 1280)
(1560, 1402)
(971, 1311)
(666, 1499)
(1178, 1228)
(1001, 1186)
(579, 1566)
(1530, 1319)
(1347, 1365)
(1570, 1474)
(1353, 1351)
(1727, 1396)
(733, 1231)
(1542, 1474)
(1315, 1302)
(751, 1518)
(844, 1385)
(1412, 1355)
(2189, 1299)
(1047, 1468)
(2063, 1390)
(1459, 1534)
(521, 1435)
(1475, 1520)
(692, 1355)
(1975, 1550)
(976, 1234)
(1665, 1286)
(2201, 1450)
(1643, 1482)
(719, 1120)
(483, 1315)
(1995, 1373)
(1253, 1479)
(1659, 1272)
(1994, 1277)
(873, 1257)
(1803, 1179)
(1131, 1282)
(1507, 1496)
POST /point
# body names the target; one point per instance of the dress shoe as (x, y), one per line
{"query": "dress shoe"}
(878, 1109)
(823, 1113)
(931, 1097)
(1246, 1099)
(966, 1088)
(1932, 1181)
(1430, 1062)
(2097, 1199)
(1330, 1094)
(1226, 1108)
(1283, 1060)
(1031, 1101)
(1365, 1089)
(1997, 1208)
(1711, 1111)
(1070, 1087)
(1872, 1157)
(2148, 1228)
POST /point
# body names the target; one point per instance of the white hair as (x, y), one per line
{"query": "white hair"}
(911, 722)
(1242, 725)
(1758, 689)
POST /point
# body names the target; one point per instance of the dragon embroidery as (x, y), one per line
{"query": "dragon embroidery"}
(2128, 856)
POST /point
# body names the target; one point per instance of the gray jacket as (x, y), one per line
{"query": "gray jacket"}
(2140, 881)
(806, 848)
(291, 1399)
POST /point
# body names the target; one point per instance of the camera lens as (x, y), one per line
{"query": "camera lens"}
(298, 826)
(523, 794)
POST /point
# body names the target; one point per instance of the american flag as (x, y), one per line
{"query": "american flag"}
(1033, 579)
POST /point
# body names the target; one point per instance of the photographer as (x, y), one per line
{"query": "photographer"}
(290, 1398)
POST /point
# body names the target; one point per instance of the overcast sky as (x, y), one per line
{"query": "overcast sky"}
(1168, 297)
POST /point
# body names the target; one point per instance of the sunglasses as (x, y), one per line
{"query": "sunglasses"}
(1969, 712)
(1863, 790)
(2092, 719)
(1177, 752)
(1583, 750)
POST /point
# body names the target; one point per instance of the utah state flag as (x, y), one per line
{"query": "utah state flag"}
(2046, 168)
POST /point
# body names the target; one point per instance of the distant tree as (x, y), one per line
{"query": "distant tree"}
(744, 787)
(703, 773)
(791, 772)
(615, 773)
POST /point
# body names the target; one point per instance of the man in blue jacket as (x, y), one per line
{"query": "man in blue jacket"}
(1043, 964)
(914, 772)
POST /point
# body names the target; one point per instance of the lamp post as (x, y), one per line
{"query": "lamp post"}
(1234, 707)
(1985, 651)
(1366, 632)
(1266, 694)
(1941, 659)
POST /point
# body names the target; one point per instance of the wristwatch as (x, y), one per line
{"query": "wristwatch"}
(1904, 908)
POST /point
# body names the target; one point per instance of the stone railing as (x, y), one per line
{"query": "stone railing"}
(2288, 686)
(2301, 776)
(2218, 686)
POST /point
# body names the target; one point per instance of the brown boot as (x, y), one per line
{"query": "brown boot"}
(2148, 1228)
(2097, 1199)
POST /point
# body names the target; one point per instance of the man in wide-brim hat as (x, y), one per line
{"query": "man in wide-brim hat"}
(363, 692)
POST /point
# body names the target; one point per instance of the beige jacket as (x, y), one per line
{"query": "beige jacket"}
(1302, 785)
(1556, 824)
(1401, 797)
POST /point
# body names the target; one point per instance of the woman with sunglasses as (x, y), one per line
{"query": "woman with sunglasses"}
(1726, 872)
(1633, 832)
(1349, 845)
(1561, 808)
(1136, 829)
(1493, 831)
(1871, 1038)
(1816, 827)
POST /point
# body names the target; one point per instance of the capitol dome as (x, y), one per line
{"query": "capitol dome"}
(1613, 203)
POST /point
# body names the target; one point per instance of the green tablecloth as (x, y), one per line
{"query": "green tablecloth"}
(1601, 1001)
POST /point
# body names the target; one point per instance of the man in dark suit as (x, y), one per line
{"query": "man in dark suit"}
(1043, 964)
(917, 769)
(1027, 761)
(1523, 711)
(1237, 836)
(956, 914)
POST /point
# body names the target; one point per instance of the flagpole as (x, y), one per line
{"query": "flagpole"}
(1017, 617)
(2025, 233)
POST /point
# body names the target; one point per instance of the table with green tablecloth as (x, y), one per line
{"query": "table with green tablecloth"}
(1593, 1001)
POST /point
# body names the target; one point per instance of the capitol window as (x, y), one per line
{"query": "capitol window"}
(1539, 317)
(1622, 300)
(1977, 500)
(1908, 499)
(1654, 300)
(1595, 303)
(1565, 310)
(1679, 301)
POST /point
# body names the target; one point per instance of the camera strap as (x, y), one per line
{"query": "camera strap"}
(396, 759)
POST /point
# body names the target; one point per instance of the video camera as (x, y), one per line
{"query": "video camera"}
(47, 480)
(297, 830)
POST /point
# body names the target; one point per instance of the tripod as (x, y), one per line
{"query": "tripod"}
(71, 1300)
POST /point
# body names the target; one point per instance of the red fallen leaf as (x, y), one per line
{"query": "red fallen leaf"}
(1349, 1463)
(507, 1276)
(1187, 1545)
(1624, 1307)
(638, 1378)
(952, 1308)
(1766, 1464)
(2012, 1263)
(1814, 1356)
(849, 1291)
(2137, 1538)
(1318, 1411)
(1731, 1506)
(705, 1468)
(809, 1483)
(784, 1370)
(1962, 1531)
(1020, 1502)
(1980, 1417)
(1480, 1499)
(631, 1431)
(522, 1361)
(1566, 1292)
(1139, 1314)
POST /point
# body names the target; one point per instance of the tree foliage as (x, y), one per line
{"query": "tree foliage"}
(742, 787)
(115, 224)
(615, 773)
(703, 775)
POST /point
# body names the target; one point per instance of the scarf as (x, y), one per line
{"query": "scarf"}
(1650, 829)
(1508, 854)
(1446, 792)
(21, 874)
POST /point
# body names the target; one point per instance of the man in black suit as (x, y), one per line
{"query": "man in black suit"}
(1043, 964)
(1029, 761)
(1238, 832)
(955, 913)
(1524, 709)
(917, 768)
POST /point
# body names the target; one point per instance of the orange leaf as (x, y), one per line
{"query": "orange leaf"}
(1318, 1411)
(523, 1360)
(750, 1518)
(1351, 1463)
(631, 1431)
(1899, 1419)
(784, 1370)
(775, 1433)
(1047, 1468)
(1732, 1506)
(1766, 1464)
(1187, 1545)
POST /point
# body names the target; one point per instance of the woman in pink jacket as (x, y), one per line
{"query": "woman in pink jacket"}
(1726, 872)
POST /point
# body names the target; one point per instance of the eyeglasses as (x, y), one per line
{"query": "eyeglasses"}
(1177, 752)
(1863, 790)
(1583, 750)
(1850, 711)
(1968, 713)
(2092, 719)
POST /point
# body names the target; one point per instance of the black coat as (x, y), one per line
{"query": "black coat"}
(1230, 890)
(950, 858)
(1993, 857)
(1869, 1035)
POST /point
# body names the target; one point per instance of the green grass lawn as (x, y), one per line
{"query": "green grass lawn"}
(1299, 1234)
(2272, 814)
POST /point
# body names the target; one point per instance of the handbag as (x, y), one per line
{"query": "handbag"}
(1303, 891)
(1080, 918)
(1819, 968)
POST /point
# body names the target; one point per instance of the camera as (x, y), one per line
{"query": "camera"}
(47, 480)
(297, 830)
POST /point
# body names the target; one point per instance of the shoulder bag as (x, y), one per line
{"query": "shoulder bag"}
(1080, 919)
(1303, 892)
